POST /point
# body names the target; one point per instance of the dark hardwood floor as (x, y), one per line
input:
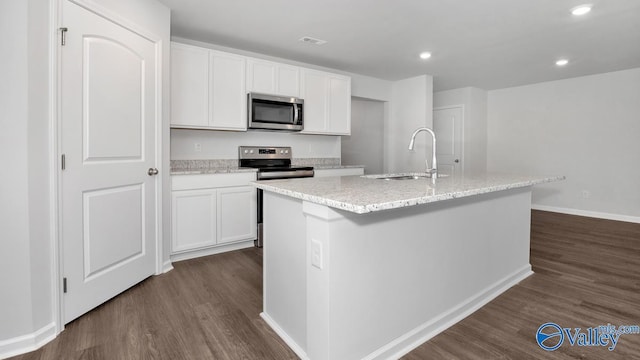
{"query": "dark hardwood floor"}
(587, 273)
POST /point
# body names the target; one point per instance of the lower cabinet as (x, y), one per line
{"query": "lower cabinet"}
(236, 214)
(212, 213)
(194, 219)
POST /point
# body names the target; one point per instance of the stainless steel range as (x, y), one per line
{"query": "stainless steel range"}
(272, 163)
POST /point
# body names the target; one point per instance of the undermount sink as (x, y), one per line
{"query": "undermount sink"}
(404, 176)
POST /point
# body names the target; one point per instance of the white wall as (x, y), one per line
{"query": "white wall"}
(586, 128)
(411, 107)
(15, 264)
(27, 155)
(39, 161)
(474, 101)
(365, 146)
(224, 144)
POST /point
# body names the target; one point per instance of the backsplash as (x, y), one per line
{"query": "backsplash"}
(195, 165)
(199, 165)
(210, 144)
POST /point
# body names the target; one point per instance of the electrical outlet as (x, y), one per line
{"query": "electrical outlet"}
(586, 194)
(197, 147)
(316, 253)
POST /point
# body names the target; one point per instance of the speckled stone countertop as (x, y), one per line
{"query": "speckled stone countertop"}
(364, 194)
(222, 166)
(195, 167)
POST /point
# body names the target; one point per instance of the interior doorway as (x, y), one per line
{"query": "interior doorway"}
(365, 145)
(447, 124)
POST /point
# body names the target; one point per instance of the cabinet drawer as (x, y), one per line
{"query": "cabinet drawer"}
(204, 181)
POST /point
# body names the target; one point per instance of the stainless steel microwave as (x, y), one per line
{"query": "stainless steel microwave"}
(269, 112)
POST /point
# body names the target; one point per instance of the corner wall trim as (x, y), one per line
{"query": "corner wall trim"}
(593, 214)
(26, 343)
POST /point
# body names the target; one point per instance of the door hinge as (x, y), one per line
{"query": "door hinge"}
(63, 162)
(64, 285)
(63, 36)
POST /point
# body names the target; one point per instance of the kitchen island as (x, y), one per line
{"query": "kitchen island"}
(362, 268)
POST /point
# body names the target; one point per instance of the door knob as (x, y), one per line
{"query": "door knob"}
(456, 161)
(152, 171)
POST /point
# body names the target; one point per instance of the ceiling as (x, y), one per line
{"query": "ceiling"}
(489, 44)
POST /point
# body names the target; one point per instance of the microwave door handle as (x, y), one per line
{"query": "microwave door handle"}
(295, 113)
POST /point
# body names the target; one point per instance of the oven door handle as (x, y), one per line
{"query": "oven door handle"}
(295, 114)
(284, 174)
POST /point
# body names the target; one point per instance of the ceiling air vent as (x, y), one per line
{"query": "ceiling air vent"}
(313, 41)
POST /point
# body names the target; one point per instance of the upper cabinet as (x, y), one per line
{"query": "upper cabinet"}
(327, 103)
(268, 77)
(189, 85)
(207, 89)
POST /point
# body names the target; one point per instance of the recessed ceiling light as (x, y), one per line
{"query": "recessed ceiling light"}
(425, 55)
(562, 62)
(581, 10)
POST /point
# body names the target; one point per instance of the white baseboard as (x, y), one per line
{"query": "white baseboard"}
(211, 251)
(594, 214)
(404, 344)
(302, 354)
(27, 343)
(167, 266)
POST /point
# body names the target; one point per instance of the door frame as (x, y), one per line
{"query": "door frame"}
(55, 132)
(462, 132)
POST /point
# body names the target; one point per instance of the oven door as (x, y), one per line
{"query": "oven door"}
(274, 175)
(269, 112)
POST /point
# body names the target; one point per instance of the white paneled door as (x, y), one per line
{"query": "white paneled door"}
(108, 188)
(447, 124)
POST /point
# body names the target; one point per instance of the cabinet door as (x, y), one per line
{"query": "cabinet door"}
(288, 80)
(228, 98)
(339, 113)
(237, 214)
(189, 85)
(261, 76)
(314, 89)
(272, 78)
(193, 219)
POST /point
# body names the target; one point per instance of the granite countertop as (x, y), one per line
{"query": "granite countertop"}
(364, 194)
(213, 170)
(225, 166)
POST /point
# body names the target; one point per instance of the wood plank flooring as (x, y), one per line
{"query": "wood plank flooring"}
(587, 273)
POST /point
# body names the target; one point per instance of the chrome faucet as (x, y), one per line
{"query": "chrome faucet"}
(434, 166)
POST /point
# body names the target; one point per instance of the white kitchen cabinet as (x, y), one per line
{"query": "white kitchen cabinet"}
(237, 214)
(228, 98)
(327, 101)
(269, 77)
(189, 86)
(207, 89)
(194, 219)
(338, 172)
(212, 213)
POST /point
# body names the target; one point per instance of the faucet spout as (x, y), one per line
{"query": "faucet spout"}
(434, 165)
